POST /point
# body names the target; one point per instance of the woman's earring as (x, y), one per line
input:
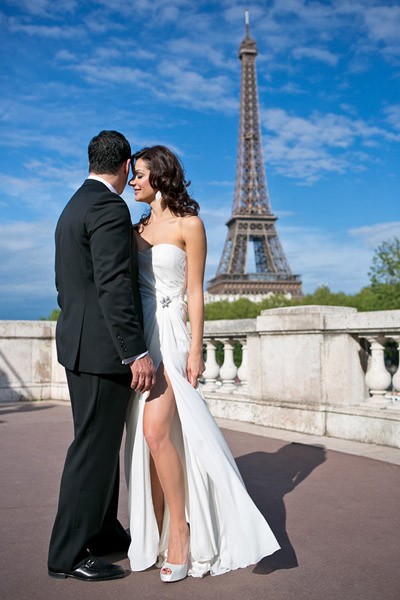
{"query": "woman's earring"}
(158, 195)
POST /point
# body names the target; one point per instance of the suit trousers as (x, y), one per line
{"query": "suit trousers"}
(89, 489)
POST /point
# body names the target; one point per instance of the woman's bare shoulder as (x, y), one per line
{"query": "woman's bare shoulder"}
(191, 225)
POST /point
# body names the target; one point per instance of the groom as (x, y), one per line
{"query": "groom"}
(100, 343)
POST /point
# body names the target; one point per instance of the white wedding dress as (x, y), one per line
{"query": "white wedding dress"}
(227, 530)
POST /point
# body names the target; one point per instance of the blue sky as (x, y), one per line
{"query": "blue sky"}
(166, 71)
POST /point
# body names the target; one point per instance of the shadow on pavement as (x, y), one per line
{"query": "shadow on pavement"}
(23, 407)
(268, 478)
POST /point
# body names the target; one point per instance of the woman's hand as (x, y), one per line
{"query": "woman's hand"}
(195, 366)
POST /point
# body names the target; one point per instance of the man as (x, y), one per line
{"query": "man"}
(101, 345)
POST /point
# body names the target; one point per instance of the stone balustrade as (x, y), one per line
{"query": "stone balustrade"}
(378, 379)
(312, 369)
(227, 376)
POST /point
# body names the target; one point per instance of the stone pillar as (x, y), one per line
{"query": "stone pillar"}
(396, 379)
(212, 367)
(377, 378)
(243, 369)
(228, 371)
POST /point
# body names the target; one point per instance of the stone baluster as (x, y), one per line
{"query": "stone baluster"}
(378, 378)
(212, 367)
(228, 371)
(243, 369)
(396, 377)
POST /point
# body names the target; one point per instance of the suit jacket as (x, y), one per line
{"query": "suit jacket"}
(100, 323)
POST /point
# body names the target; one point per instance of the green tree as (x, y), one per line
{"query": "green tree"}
(323, 296)
(53, 315)
(373, 297)
(384, 275)
(385, 267)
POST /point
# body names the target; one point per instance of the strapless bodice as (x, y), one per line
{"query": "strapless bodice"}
(162, 273)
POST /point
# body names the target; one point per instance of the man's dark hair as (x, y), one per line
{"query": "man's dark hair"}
(107, 152)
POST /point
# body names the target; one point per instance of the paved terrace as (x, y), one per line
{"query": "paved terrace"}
(334, 506)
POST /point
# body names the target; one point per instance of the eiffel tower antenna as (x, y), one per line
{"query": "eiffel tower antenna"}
(252, 222)
(247, 22)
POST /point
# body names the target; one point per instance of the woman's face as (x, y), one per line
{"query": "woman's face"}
(140, 182)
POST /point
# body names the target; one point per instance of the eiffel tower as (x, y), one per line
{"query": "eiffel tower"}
(252, 220)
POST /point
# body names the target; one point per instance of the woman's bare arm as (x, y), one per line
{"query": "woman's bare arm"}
(194, 238)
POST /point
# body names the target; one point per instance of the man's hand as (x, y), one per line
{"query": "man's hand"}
(143, 374)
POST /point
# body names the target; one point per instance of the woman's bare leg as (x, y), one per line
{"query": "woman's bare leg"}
(157, 424)
(157, 495)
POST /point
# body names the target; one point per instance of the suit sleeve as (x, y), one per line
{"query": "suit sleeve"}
(108, 225)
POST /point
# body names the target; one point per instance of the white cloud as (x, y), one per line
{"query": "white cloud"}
(393, 115)
(318, 54)
(189, 88)
(216, 212)
(64, 55)
(194, 49)
(26, 117)
(309, 148)
(156, 12)
(45, 188)
(284, 213)
(216, 235)
(103, 75)
(288, 88)
(44, 8)
(177, 81)
(383, 23)
(27, 266)
(324, 258)
(46, 31)
(222, 183)
(373, 235)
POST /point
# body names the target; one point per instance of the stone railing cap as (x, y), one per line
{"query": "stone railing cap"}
(308, 309)
(27, 329)
(229, 327)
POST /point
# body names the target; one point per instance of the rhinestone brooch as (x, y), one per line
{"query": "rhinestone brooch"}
(165, 301)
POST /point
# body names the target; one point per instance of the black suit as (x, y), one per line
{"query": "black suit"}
(99, 326)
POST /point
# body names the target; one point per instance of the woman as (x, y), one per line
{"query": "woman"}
(187, 498)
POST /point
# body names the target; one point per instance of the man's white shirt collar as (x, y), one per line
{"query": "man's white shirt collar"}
(107, 183)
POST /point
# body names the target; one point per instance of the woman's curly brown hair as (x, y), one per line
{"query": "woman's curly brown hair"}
(167, 176)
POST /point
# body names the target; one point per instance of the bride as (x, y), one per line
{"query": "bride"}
(189, 510)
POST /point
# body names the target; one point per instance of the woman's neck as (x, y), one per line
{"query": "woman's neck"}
(158, 213)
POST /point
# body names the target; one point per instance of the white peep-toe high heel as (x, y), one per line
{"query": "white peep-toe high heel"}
(176, 572)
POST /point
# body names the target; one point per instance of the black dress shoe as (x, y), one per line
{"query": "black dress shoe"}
(91, 569)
